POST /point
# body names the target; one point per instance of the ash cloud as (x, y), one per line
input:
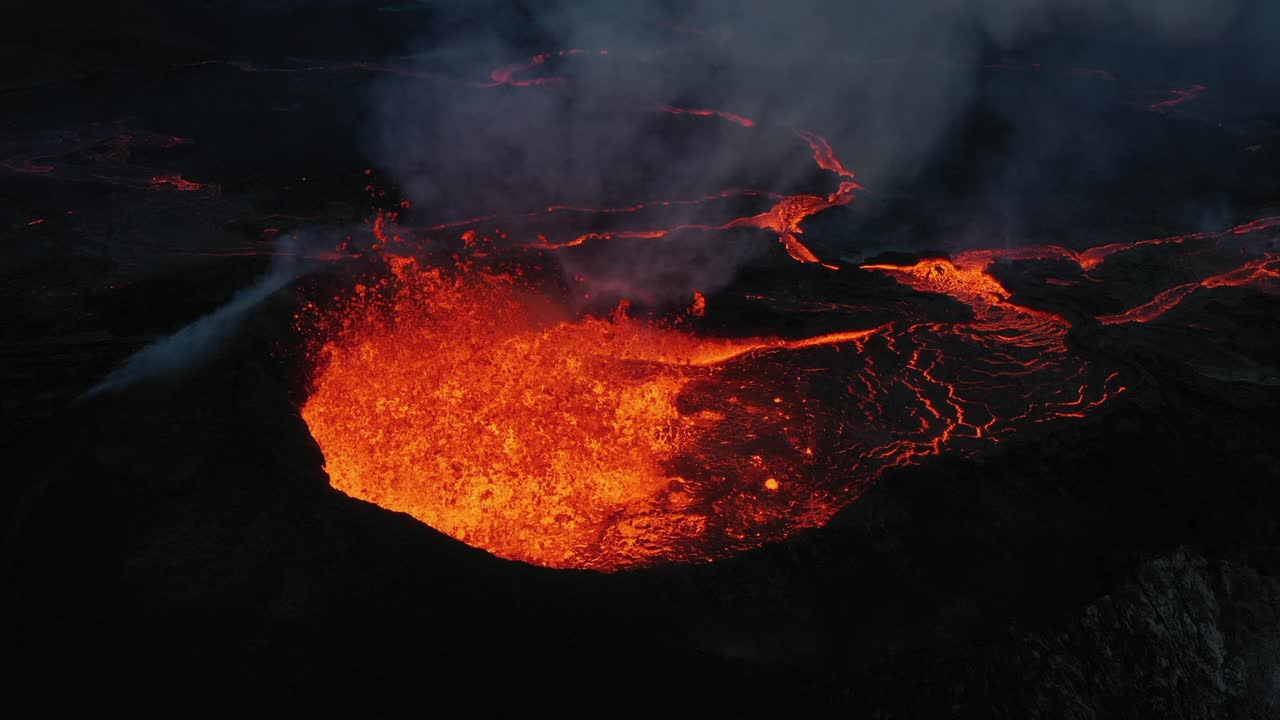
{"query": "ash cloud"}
(891, 84)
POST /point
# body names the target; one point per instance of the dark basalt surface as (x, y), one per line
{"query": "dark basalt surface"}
(175, 546)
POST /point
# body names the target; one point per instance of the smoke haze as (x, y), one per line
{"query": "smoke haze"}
(889, 83)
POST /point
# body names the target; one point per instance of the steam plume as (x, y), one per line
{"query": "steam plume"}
(196, 342)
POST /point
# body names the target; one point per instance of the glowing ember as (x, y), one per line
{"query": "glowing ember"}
(465, 397)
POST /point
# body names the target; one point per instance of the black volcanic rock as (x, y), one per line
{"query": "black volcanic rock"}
(1185, 635)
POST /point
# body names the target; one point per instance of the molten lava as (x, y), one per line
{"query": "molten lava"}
(463, 396)
(467, 403)
(479, 401)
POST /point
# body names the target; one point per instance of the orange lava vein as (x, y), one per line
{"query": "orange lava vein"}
(731, 117)
(1263, 274)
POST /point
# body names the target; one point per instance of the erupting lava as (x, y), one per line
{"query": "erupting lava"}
(464, 397)
(463, 393)
(465, 401)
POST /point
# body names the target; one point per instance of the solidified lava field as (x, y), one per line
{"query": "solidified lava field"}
(369, 359)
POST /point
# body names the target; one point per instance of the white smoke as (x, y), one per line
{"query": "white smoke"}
(197, 341)
(885, 81)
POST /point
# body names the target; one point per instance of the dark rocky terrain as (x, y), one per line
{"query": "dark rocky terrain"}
(175, 546)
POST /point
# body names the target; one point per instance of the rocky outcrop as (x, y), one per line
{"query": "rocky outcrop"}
(1189, 637)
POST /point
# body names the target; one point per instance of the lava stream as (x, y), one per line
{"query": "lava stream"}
(1263, 274)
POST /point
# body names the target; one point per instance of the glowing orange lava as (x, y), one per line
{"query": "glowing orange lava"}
(1263, 274)
(464, 397)
(468, 396)
(478, 410)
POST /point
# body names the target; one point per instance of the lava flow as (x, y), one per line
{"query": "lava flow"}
(475, 409)
(464, 397)
(475, 398)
